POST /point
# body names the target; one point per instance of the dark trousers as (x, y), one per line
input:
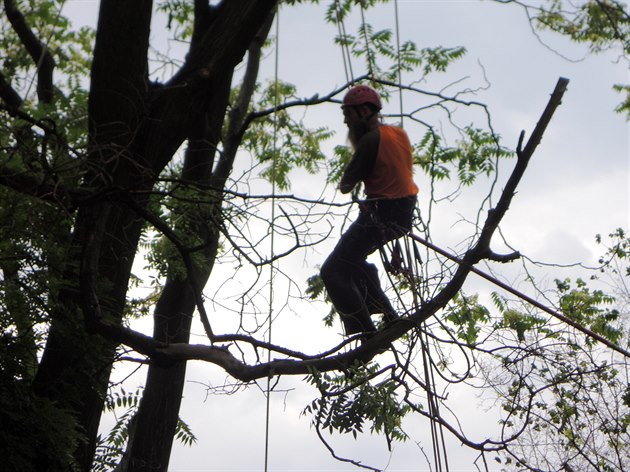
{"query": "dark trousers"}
(352, 283)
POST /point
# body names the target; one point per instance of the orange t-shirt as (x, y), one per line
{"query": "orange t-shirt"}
(392, 175)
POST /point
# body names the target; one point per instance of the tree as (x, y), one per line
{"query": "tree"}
(131, 138)
(92, 192)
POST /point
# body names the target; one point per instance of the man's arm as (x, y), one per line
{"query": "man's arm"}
(362, 163)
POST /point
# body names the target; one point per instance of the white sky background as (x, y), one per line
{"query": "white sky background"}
(577, 185)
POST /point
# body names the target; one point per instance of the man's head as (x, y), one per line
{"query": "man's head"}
(360, 107)
(362, 95)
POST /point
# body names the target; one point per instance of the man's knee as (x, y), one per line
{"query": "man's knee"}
(333, 273)
(327, 270)
(371, 270)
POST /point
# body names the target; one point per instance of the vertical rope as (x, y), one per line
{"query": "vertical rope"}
(410, 269)
(439, 448)
(400, 91)
(273, 219)
(368, 53)
(440, 456)
(345, 53)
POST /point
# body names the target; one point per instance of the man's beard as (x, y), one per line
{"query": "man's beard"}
(356, 132)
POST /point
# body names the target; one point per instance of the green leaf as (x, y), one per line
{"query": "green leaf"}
(467, 315)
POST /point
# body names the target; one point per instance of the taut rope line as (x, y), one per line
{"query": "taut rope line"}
(273, 219)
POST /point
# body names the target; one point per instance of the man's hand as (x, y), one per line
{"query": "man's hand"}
(345, 187)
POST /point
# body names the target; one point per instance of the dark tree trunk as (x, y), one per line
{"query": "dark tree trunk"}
(75, 366)
(134, 130)
(149, 447)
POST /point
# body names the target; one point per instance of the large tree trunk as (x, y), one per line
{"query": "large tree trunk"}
(151, 441)
(149, 446)
(75, 366)
(135, 129)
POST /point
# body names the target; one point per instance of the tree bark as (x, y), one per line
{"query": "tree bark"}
(134, 130)
(149, 447)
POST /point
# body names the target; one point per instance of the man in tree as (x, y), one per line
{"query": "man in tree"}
(383, 161)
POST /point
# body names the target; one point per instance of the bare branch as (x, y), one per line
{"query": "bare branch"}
(8, 94)
(36, 49)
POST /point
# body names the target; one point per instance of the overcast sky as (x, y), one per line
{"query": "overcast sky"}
(576, 186)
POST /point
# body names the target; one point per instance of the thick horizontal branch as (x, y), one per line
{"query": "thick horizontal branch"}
(167, 354)
(220, 355)
(35, 186)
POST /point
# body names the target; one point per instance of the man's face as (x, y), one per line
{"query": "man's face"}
(354, 120)
(350, 115)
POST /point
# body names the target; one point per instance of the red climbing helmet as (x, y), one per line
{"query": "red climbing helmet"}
(362, 94)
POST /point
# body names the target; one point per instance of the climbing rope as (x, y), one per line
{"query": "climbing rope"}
(400, 90)
(272, 239)
(409, 265)
(406, 262)
(345, 51)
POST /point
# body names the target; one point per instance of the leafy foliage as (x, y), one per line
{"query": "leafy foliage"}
(475, 154)
(187, 211)
(600, 24)
(30, 425)
(617, 254)
(342, 156)
(283, 142)
(585, 306)
(565, 397)
(178, 13)
(467, 315)
(315, 290)
(384, 59)
(519, 321)
(350, 401)
(111, 448)
(573, 396)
